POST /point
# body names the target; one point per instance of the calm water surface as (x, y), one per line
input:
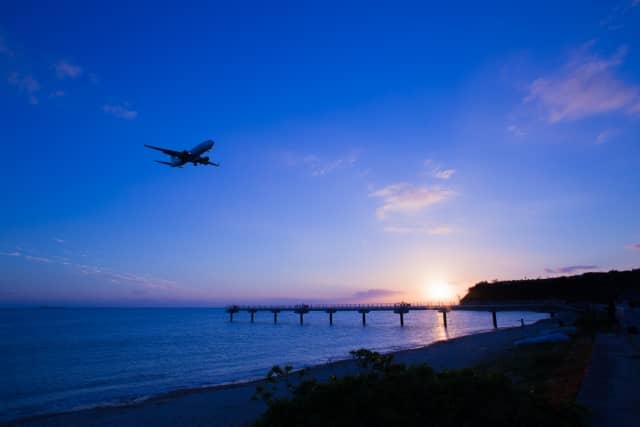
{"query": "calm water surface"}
(62, 359)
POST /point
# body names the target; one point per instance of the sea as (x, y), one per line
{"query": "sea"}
(64, 359)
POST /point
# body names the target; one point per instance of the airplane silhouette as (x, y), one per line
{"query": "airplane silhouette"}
(181, 158)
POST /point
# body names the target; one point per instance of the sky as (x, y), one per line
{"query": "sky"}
(369, 151)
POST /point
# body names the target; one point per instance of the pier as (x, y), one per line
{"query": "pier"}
(401, 309)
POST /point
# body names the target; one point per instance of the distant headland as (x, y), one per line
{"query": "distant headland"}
(587, 287)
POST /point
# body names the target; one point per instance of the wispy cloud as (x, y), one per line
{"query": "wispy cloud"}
(28, 257)
(111, 275)
(606, 135)
(123, 277)
(319, 165)
(634, 247)
(516, 130)
(58, 240)
(585, 86)
(406, 198)
(13, 254)
(120, 111)
(375, 293)
(437, 171)
(27, 84)
(570, 269)
(37, 258)
(441, 230)
(67, 70)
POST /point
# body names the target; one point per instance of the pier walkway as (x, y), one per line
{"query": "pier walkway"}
(401, 308)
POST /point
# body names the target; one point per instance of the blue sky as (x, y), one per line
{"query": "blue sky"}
(367, 152)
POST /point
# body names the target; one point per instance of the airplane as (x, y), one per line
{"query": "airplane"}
(181, 158)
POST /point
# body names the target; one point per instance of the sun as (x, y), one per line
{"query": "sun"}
(439, 291)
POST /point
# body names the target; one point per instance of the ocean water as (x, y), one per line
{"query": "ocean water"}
(59, 359)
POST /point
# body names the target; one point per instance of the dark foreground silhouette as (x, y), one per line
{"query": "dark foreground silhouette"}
(385, 394)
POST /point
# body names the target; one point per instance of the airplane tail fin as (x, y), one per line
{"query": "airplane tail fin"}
(164, 163)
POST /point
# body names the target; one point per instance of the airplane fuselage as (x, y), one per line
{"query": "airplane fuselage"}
(181, 158)
(193, 156)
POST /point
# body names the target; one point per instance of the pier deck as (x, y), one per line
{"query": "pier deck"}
(401, 308)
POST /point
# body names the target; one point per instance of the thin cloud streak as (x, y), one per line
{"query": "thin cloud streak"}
(38, 259)
(406, 198)
(12, 254)
(436, 171)
(320, 166)
(570, 269)
(375, 293)
(606, 135)
(585, 86)
(516, 130)
(634, 247)
(120, 111)
(66, 70)
(113, 276)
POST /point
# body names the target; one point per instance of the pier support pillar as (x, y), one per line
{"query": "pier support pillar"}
(444, 318)
(364, 312)
(232, 309)
(330, 311)
(253, 314)
(301, 310)
(401, 309)
(495, 320)
(275, 317)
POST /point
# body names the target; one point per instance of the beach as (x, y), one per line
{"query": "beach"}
(231, 405)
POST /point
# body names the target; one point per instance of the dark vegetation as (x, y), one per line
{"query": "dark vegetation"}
(511, 392)
(534, 385)
(587, 287)
(553, 371)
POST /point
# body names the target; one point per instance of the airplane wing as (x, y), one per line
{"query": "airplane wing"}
(164, 163)
(213, 164)
(166, 151)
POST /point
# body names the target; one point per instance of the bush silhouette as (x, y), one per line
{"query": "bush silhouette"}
(386, 394)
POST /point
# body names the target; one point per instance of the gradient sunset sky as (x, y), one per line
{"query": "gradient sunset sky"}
(367, 151)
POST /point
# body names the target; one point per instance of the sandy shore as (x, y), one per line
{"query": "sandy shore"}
(231, 405)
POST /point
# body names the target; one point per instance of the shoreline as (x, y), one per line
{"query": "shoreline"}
(181, 391)
(232, 401)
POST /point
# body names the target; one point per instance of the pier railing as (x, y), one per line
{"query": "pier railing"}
(400, 308)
